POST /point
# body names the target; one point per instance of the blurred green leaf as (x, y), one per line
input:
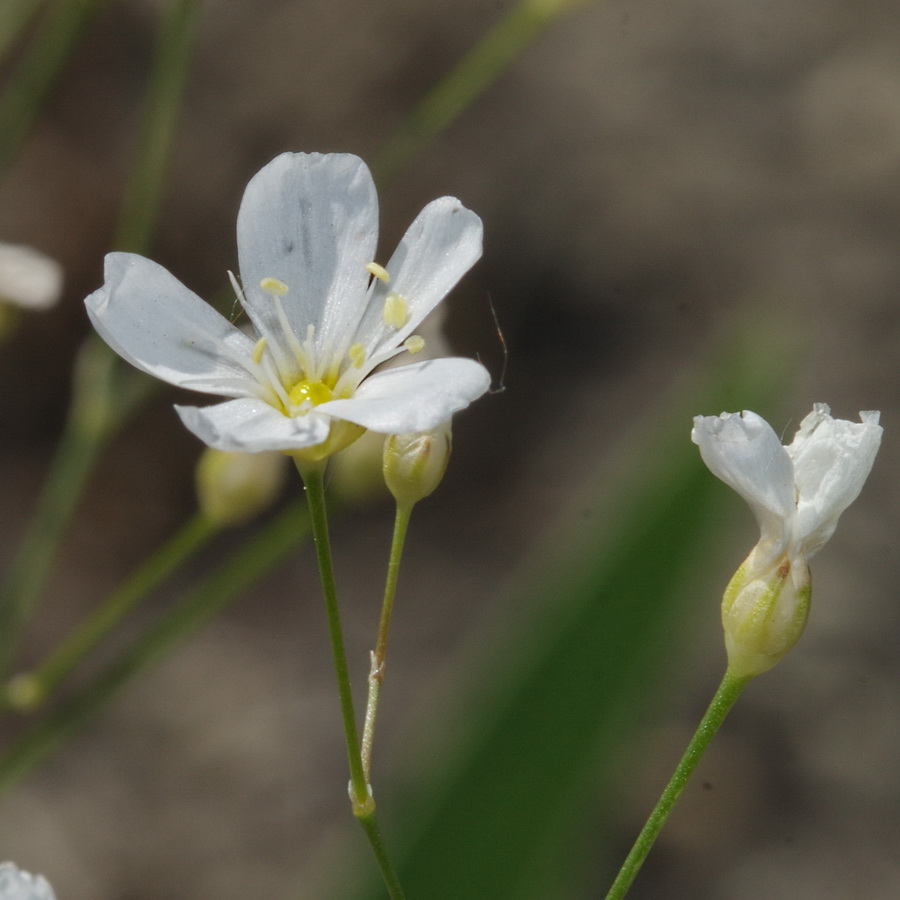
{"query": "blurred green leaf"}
(15, 18)
(33, 78)
(579, 657)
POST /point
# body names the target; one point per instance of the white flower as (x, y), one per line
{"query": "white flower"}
(18, 885)
(797, 493)
(27, 278)
(324, 313)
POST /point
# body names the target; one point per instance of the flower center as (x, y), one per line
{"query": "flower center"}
(305, 394)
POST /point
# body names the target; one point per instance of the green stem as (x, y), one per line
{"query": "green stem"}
(388, 873)
(379, 655)
(477, 70)
(162, 106)
(31, 689)
(253, 561)
(726, 695)
(102, 395)
(313, 475)
(90, 421)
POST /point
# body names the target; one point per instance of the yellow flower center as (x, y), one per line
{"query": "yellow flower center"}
(309, 392)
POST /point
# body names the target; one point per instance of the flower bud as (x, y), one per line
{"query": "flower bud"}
(764, 610)
(414, 463)
(234, 487)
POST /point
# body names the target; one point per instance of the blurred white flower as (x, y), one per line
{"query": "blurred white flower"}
(28, 278)
(325, 316)
(18, 885)
(797, 493)
(234, 487)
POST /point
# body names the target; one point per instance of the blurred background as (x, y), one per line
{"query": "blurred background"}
(654, 179)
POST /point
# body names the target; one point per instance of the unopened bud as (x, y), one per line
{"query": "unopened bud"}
(414, 463)
(764, 610)
(234, 487)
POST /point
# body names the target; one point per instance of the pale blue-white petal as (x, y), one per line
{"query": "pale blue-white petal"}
(16, 884)
(412, 398)
(309, 220)
(440, 246)
(832, 459)
(152, 320)
(744, 451)
(249, 425)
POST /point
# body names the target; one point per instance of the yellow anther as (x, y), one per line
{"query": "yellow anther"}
(380, 272)
(415, 343)
(259, 349)
(396, 312)
(312, 392)
(274, 287)
(357, 354)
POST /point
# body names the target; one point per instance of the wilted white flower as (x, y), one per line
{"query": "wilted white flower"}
(797, 493)
(28, 278)
(18, 885)
(324, 313)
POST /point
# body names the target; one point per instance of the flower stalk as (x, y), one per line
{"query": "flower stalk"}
(192, 611)
(379, 654)
(30, 690)
(729, 690)
(313, 476)
(361, 799)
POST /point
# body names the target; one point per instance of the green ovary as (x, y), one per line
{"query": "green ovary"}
(309, 392)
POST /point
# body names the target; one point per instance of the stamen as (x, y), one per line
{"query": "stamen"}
(415, 343)
(274, 287)
(295, 346)
(357, 354)
(396, 312)
(236, 286)
(259, 349)
(378, 271)
(273, 380)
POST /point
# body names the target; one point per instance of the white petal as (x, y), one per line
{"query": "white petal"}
(28, 278)
(417, 397)
(440, 246)
(311, 222)
(249, 425)
(16, 884)
(744, 451)
(152, 320)
(832, 459)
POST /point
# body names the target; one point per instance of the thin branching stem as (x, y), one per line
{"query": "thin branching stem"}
(361, 798)
(379, 655)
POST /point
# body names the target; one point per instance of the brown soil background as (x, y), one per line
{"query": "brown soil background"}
(646, 173)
